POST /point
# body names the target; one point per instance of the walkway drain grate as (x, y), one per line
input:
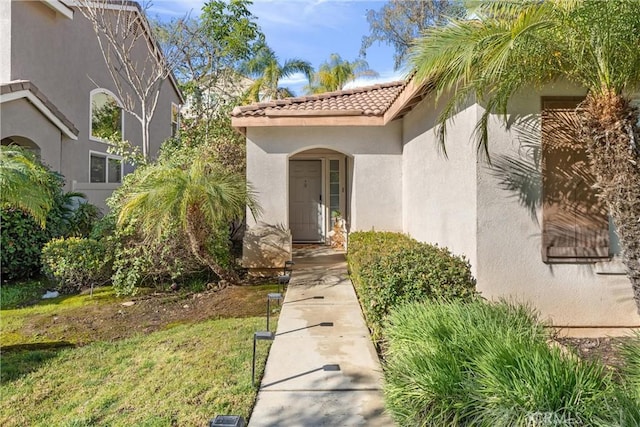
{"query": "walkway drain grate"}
(318, 297)
(326, 324)
(331, 367)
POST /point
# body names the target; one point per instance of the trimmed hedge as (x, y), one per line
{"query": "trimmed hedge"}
(483, 364)
(390, 269)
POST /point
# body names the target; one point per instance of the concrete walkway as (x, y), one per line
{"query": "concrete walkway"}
(322, 368)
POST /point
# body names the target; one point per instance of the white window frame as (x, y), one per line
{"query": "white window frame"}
(107, 157)
(111, 94)
(341, 190)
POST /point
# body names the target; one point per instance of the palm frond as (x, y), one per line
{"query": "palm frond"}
(25, 183)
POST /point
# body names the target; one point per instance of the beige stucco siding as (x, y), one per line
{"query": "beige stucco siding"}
(509, 240)
(377, 193)
(439, 192)
(375, 156)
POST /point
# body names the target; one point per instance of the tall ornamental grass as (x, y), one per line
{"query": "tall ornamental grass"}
(630, 353)
(482, 364)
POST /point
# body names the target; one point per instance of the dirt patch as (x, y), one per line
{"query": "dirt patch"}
(605, 349)
(142, 315)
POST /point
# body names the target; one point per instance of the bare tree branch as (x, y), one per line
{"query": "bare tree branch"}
(137, 65)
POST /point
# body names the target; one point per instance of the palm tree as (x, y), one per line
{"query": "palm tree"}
(267, 72)
(337, 72)
(25, 183)
(201, 197)
(509, 46)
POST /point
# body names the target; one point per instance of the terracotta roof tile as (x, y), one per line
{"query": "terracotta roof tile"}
(366, 101)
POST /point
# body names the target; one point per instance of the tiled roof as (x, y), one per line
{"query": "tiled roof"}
(365, 101)
(20, 85)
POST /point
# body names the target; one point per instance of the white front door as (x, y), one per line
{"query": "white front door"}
(305, 200)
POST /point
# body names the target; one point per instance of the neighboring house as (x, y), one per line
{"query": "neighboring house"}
(529, 223)
(215, 94)
(58, 99)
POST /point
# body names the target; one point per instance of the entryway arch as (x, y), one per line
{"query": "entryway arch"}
(319, 191)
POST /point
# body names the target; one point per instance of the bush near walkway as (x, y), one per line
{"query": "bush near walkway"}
(485, 364)
(389, 269)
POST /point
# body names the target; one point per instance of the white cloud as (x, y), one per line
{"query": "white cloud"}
(306, 15)
(294, 80)
(384, 77)
(176, 8)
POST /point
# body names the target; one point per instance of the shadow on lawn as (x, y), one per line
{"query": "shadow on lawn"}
(21, 359)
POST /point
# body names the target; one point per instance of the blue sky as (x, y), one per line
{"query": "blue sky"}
(307, 29)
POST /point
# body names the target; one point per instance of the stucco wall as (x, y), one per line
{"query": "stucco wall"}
(509, 240)
(374, 153)
(61, 57)
(5, 41)
(440, 193)
(20, 118)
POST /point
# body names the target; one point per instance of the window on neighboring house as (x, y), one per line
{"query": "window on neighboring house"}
(575, 224)
(105, 168)
(175, 119)
(106, 116)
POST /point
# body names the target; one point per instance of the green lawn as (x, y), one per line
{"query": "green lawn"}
(169, 359)
(16, 294)
(181, 376)
(12, 320)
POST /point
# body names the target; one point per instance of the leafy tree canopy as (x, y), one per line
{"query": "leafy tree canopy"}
(399, 22)
(212, 46)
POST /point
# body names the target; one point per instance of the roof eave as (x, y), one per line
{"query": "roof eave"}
(412, 94)
(55, 117)
(306, 120)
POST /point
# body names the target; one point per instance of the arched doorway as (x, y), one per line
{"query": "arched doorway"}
(318, 193)
(23, 142)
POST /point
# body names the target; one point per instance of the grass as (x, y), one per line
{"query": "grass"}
(18, 294)
(631, 368)
(175, 358)
(486, 364)
(13, 320)
(181, 376)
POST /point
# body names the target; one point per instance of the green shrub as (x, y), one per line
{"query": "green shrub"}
(150, 263)
(22, 241)
(390, 269)
(152, 260)
(366, 246)
(80, 216)
(487, 364)
(22, 238)
(74, 263)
